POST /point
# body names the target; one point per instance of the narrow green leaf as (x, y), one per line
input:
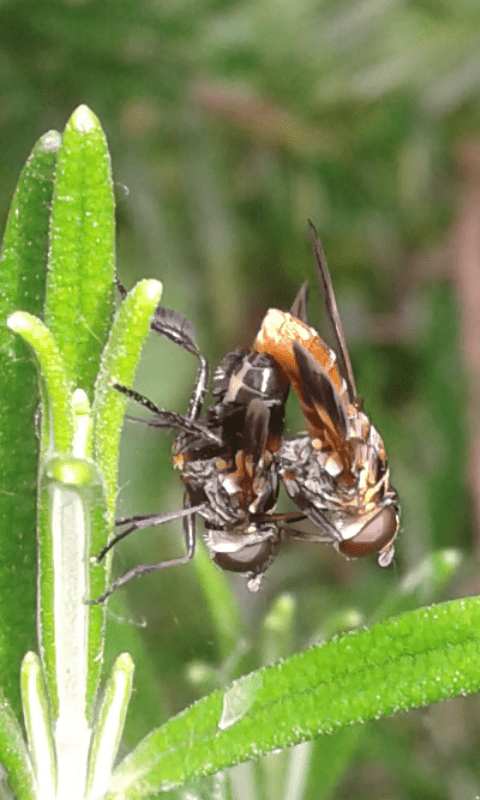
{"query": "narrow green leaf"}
(70, 488)
(109, 725)
(22, 275)
(418, 658)
(119, 362)
(14, 756)
(25, 246)
(38, 724)
(57, 407)
(332, 754)
(79, 294)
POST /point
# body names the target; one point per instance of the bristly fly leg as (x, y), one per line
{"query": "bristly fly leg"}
(188, 513)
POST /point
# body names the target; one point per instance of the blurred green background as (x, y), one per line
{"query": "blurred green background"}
(230, 124)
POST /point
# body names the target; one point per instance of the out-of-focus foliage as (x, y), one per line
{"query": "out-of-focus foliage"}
(229, 125)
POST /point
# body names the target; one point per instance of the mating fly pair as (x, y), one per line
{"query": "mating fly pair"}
(231, 459)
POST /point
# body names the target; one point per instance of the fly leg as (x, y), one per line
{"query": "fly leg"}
(188, 513)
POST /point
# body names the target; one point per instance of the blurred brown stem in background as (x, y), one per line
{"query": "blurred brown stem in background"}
(467, 277)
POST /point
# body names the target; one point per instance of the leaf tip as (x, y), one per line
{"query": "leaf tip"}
(124, 662)
(83, 119)
(50, 142)
(80, 403)
(152, 289)
(30, 660)
(18, 321)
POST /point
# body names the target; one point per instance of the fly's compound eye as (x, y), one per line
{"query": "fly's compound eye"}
(377, 534)
(253, 559)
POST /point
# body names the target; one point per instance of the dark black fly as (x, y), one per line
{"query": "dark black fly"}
(227, 457)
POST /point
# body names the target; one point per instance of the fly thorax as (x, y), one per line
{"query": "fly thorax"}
(256, 377)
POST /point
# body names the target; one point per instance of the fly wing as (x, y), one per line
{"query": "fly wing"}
(322, 405)
(262, 475)
(299, 307)
(255, 433)
(325, 282)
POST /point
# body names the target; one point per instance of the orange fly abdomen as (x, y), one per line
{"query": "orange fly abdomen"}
(276, 336)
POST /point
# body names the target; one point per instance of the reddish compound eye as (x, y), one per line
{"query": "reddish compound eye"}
(378, 532)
